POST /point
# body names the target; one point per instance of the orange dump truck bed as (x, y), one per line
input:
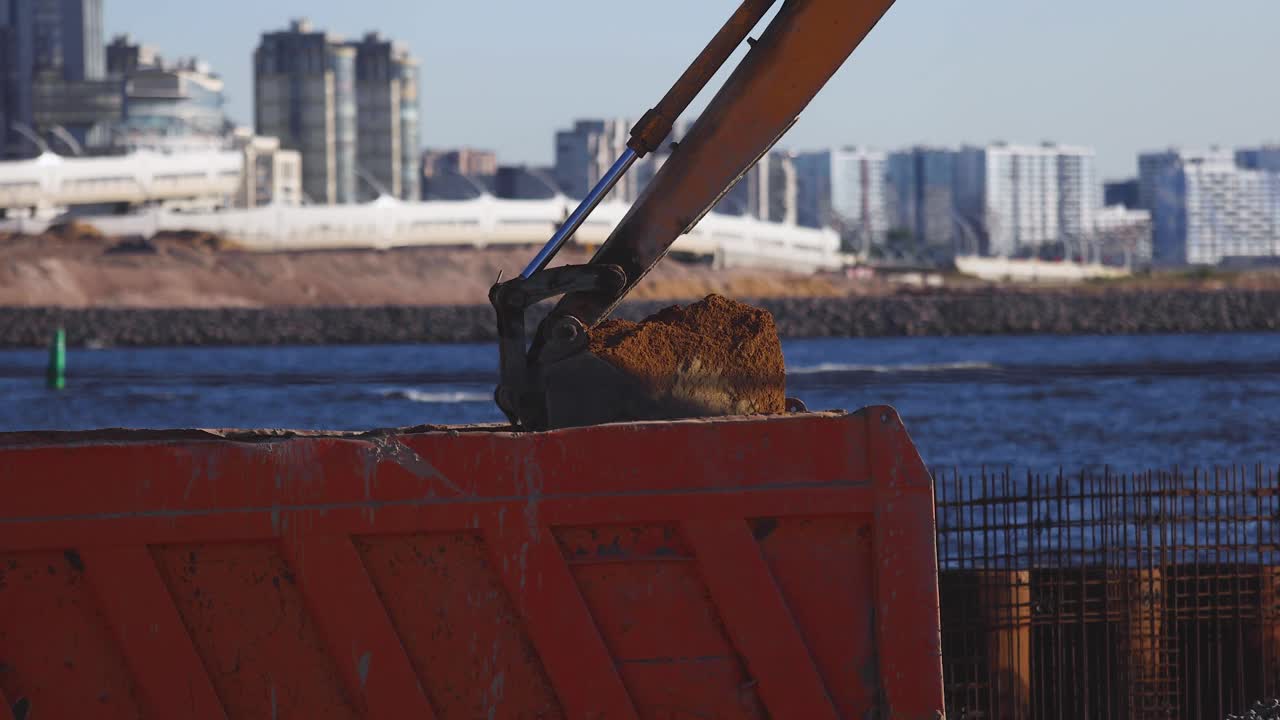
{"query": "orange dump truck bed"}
(738, 568)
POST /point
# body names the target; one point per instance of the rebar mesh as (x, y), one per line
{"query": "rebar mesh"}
(1101, 595)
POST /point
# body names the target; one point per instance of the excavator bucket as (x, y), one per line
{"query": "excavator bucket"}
(581, 370)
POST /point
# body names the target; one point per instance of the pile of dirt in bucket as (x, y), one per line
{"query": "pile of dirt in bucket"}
(718, 355)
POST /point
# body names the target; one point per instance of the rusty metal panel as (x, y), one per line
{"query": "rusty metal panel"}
(736, 568)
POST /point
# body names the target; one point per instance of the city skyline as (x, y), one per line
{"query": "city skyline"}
(1100, 75)
(340, 119)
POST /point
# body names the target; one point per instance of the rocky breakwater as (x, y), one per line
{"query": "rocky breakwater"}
(1026, 312)
(999, 312)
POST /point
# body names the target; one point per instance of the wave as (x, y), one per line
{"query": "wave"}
(1025, 372)
(908, 368)
(437, 398)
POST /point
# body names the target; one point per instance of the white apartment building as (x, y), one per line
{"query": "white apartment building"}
(844, 188)
(1151, 165)
(1079, 192)
(1028, 195)
(1207, 209)
(1012, 192)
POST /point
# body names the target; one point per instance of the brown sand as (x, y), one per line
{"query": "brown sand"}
(76, 266)
(717, 354)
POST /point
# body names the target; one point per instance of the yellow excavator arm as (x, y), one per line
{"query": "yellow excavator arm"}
(801, 48)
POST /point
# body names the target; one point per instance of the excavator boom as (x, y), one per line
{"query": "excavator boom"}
(804, 45)
(554, 381)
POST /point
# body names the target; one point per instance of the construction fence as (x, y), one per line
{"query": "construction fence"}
(1102, 595)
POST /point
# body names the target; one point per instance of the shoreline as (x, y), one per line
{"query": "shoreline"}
(924, 314)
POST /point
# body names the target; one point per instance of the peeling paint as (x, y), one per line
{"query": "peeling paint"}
(493, 697)
(362, 667)
(391, 448)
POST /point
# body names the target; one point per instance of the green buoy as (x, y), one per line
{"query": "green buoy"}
(56, 375)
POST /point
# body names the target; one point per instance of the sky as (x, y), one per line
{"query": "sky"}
(1119, 75)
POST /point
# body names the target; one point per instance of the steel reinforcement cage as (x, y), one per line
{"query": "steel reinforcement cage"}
(1101, 595)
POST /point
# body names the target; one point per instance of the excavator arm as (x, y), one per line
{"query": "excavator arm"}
(554, 382)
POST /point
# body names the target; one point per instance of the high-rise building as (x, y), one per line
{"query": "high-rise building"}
(585, 153)
(1079, 193)
(1153, 165)
(1012, 192)
(921, 197)
(844, 188)
(9, 72)
(410, 130)
(1266, 157)
(64, 37)
(76, 38)
(305, 94)
(1207, 209)
(52, 70)
(1024, 196)
(387, 119)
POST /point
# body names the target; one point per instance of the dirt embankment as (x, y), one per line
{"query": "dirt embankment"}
(75, 266)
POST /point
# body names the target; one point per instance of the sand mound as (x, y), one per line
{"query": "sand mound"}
(74, 231)
(195, 240)
(718, 354)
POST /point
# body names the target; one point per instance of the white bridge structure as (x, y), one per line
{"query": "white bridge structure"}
(55, 181)
(168, 187)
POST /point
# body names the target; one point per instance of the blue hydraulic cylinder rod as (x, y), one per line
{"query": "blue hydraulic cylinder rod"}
(566, 231)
